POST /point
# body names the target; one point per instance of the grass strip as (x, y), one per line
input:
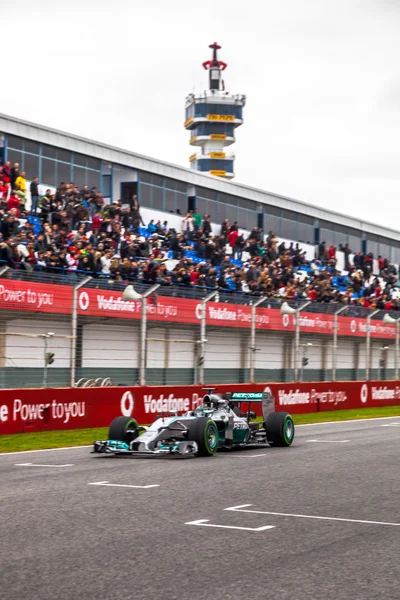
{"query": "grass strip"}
(42, 440)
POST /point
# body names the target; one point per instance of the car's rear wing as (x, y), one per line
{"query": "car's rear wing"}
(266, 398)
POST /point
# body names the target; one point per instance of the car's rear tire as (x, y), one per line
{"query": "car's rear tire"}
(280, 429)
(204, 432)
(123, 429)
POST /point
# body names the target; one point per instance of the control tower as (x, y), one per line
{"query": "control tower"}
(211, 118)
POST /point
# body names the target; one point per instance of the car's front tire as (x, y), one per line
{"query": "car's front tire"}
(280, 429)
(123, 429)
(204, 432)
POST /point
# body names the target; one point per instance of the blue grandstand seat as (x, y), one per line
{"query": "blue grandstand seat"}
(37, 226)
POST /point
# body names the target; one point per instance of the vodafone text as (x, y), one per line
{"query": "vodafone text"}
(117, 304)
(384, 393)
(298, 397)
(238, 315)
(33, 412)
(169, 403)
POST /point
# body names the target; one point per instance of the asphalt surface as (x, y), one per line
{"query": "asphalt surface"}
(62, 538)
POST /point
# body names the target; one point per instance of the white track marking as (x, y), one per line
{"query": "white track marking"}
(391, 424)
(346, 421)
(244, 508)
(205, 523)
(107, 484)
(329, 441)
(44, 450)
(47, 466)
(252, 456)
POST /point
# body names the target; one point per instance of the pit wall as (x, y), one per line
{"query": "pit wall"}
(25, 410)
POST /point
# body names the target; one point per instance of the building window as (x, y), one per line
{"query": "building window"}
(170, 201)
(49, 151)
(157, 197)
(273, 224)
(32, 147)
(64, 155)
(79, 177)
(106, 186)
(14, 156)
(48, 175)
(289, 230)
(14, 142)
(31, 165)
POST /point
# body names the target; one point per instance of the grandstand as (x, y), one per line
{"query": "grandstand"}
(120, 216)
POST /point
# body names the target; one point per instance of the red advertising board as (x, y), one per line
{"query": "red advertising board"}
(39, 297)
(44, 409)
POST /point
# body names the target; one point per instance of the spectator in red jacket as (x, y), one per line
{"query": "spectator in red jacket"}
(14, 203)
(313, 295)
(381, 264)
(233, 237)
(332, 252)
(3, 191)
(6, 173)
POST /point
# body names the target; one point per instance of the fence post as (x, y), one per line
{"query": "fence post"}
(253, 337)
(203, 336)
(387, 319)
(396, 352)
(143, 333)
(335, 340)
(368, 345)
(44, 383)
(74, 328)
(3, 357)
(297, 340)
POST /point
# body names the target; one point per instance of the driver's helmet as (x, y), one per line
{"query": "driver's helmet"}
(203, 410)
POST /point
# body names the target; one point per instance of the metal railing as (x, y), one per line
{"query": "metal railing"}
(48, 338)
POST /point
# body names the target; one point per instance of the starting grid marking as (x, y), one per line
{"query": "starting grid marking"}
(244, 508)
(205, 523)
(123, 485)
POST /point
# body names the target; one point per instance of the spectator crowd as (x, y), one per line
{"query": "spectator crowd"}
(75, 231)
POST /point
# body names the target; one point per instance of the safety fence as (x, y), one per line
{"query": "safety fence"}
(57, 332)
(26, 410)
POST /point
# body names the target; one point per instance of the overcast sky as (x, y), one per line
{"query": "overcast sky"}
(322, 80)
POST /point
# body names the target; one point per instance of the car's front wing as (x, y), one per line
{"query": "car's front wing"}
(184, 448)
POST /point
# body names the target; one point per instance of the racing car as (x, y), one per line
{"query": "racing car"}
(222, 421)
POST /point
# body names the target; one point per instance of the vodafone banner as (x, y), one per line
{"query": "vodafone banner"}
(38, 297)
(50, 409)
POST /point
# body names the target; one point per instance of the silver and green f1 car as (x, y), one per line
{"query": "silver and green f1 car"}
(220, 422)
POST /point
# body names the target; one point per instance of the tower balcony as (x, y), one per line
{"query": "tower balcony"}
(214, 109)
(191, 122)
(222, 134)
(223, 139)
(218, 164)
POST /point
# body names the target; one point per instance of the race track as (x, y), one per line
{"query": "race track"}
(63, 538)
